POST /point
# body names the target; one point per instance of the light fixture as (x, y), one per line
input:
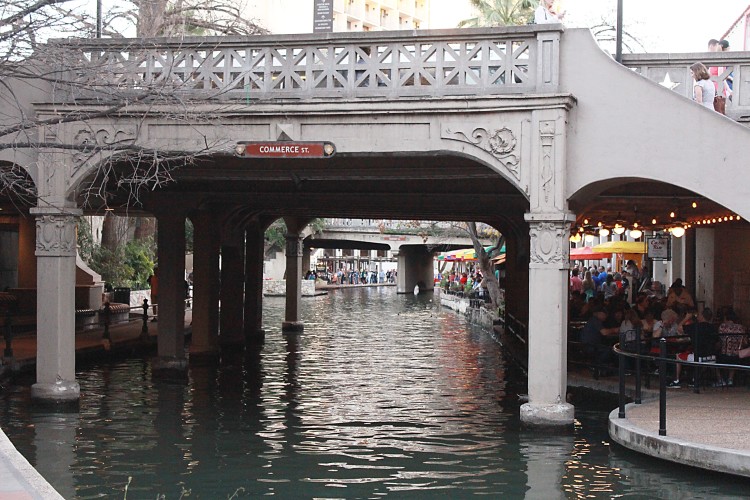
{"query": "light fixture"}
(636, 233)
(585, 221)
(678, 231)
(603, 231)
(671, 215)
(575, 238)
(653, 221)
(695, 205)
(619, 229)
(588, 237)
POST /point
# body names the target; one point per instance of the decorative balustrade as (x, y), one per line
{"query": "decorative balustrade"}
(673, 72)
(509, 60)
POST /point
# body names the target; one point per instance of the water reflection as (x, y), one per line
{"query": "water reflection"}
(381, 395)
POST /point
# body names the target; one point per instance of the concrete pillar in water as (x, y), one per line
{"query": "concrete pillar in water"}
(171, 298)
(548, 321)
(55, 313)
(232, 290)
(294, 250)
(253, 317)
(415, 267)
(205, 285)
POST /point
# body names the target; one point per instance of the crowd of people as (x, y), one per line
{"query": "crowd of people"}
(619, 311)
(354, 277)
(470, 283)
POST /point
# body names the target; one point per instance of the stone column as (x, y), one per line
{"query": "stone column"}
(548, 321)
(171, 300)
(292, 316)
(253, 317)
(205, 285)
(549, 252)
(415, 266)
(55, 308)
(232, 291)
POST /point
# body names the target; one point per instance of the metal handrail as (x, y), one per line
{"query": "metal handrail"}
(662, 360)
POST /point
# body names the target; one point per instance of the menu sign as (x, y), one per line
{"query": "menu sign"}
(659, 247)
(323, 16)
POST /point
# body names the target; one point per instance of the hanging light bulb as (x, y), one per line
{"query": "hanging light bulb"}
(588, 237)
(618, 229)
(671, 215)
(586, 221)
(695, 205)
(603, 231)
(653, 221)
(636, 233)
(575, 238)
(677, 232)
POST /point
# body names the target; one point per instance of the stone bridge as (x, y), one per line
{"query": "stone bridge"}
(533, 130)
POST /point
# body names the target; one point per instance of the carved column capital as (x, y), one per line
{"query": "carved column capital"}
(55, 232)
(549, 235)
(294, 246)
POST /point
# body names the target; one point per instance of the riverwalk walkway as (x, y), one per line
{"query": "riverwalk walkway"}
(709, 430)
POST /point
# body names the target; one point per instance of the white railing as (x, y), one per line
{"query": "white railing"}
(673, 71)
(394, 64)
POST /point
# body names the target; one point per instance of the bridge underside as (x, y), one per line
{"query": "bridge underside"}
(395, 187)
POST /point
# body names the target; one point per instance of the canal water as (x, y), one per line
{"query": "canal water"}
(383, 395)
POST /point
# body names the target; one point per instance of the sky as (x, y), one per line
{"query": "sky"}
(661, 25)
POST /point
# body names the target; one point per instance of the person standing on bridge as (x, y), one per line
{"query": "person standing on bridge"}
(548, 13)
(703, 89)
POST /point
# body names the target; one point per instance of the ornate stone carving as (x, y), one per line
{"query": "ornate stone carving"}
(294, 246)
(500, 143)
(102, 137)
(56, 236)
(548, 243)
(547, 132)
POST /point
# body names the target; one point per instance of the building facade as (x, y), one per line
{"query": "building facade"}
(298, 16)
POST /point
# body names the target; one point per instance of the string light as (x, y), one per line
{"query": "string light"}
(695, 205)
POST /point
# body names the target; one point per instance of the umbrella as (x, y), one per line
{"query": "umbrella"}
(588, 253)
(464, 254)
(621, 247)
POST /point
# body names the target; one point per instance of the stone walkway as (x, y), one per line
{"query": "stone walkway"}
(710, 430)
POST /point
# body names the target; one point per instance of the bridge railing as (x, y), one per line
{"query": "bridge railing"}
(509, 60)
(673, 71)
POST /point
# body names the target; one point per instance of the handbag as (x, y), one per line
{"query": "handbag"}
(720, 104)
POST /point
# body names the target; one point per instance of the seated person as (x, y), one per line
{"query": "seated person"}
(678, 294)
(732, 339)
(593, 334)
(704, 339)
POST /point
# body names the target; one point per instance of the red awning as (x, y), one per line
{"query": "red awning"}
(587, 253)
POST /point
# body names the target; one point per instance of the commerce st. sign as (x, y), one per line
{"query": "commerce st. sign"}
(282, 149)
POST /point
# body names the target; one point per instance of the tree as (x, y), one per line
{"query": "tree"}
(500, 13)
(485, 264)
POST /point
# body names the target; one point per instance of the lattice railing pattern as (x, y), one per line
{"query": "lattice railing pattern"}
(473, 64)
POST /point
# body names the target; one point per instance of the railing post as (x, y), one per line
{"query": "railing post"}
(144, 327)
(621, 359)
(107, 320)
(663, 387)
(638, 366)
(696, 368)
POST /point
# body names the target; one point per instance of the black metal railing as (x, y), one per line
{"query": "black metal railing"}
(662, 361)
(104, 319)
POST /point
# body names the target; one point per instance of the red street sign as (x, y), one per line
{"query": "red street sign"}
(283, 149)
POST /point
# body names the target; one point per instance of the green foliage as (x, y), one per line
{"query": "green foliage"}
(275, 235)
(500, 13)
(127, 265)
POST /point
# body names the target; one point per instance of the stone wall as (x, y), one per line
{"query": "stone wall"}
(277, 288)
(477, 316)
